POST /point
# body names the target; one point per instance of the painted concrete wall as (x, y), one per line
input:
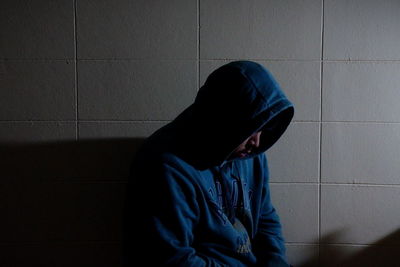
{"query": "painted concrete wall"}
(82, 82)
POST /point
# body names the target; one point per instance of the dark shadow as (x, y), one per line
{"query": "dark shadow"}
(61, 203)
(383, 253)
(313, 260)
(93, 159)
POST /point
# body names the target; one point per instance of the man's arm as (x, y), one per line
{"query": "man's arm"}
(268, 244)
(164, 227)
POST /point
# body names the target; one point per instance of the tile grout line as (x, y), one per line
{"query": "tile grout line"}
(73, 242)
(198, 45)
(306, 60)
(391, 185)
(344, 244)
(370, 61)
(210, 59)
(320, 132)
(76, 72)
(155, 121)
(362, 185)
(89, 121)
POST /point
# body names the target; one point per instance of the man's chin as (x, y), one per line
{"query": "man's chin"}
(242, 155)
(238, 155)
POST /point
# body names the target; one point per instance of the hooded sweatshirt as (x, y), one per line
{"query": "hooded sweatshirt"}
(191, 204)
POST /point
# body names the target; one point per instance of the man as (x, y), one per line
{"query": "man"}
(199, 193)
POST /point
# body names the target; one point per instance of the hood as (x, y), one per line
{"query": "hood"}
(237, 100)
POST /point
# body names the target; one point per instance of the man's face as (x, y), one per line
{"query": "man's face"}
(247, 147)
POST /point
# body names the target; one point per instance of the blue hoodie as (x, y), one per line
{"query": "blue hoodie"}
(188, 203)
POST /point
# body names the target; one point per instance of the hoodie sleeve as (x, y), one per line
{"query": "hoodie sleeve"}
(268, 245)
(167, 224)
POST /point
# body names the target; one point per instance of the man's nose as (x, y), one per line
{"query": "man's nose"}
(255, 139)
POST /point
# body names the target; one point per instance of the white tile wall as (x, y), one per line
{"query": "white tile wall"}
(302, 254)
(297, 207)
(360, 153)
(361, 29)
(358, 255)
(361, 91)
(260, 29)
(37, 30)
(359, 214)
(37, 90)
(135, 90)
(337, 255)
(137, 29)
(334, 173)
(36, 132)
(113, 129)
(295, 157)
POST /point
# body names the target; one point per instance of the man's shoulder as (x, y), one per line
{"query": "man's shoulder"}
(155, 157)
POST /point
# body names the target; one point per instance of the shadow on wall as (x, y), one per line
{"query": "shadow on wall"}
(383, 253)
(62, 202)
(106, 159)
